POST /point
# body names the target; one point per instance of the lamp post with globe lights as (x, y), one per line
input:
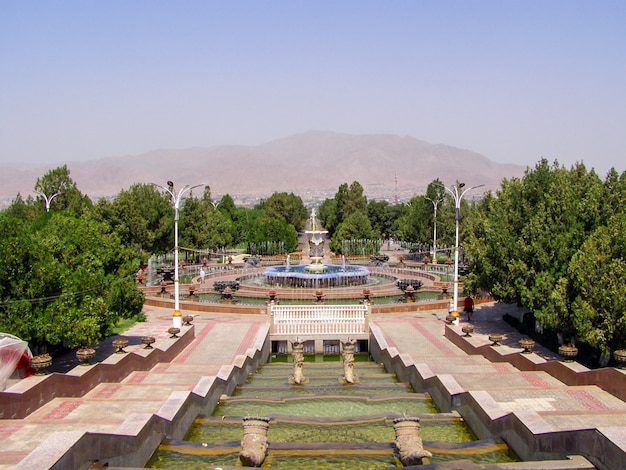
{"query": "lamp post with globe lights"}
(176, 197)
(457, 192)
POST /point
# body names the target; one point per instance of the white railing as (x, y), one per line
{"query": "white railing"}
(308, 320)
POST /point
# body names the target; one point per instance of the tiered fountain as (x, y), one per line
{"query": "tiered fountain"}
(316, 274)
(327, 423)
(316, 247)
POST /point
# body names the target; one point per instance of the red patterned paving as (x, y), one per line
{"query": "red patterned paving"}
(8, 428)
(62, 410)
(502, 367)
(534, 379)
(432, 339)
(587, 400)
(183, 356)
(136, 377)
(107, 391)
(248, 339)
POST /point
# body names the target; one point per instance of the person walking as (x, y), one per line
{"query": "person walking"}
(202, 274)
(468, 305)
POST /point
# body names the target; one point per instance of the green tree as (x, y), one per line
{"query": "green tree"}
(58, 181)
(355, 227)
(142, 217)
(597, 288)
(58, 276)
(287, 207)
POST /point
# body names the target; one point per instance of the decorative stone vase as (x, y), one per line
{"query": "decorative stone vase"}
(527, 344)
(174, 332)
(568, 351)
(468, 330)
(120, 344)
(620, 356)
(84, 355)
(450, 319)
(148, 340)
(495, 338)
(254, 442)
(409, 442)
(187, 319)
(40, 362)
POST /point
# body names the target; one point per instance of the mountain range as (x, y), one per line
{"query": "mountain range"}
(311, 165)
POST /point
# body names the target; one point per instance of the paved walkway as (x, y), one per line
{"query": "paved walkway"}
(219, 338)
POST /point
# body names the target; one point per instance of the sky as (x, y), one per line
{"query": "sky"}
(516, 81)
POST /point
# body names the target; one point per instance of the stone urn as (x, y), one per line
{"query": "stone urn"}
(254, 443)
(148, 341)
(568, 351)
(468, 330)
(163, 287)
(119, 344)
(173, 331)
(366, 296)
(85, 355)
(527, 345)
(319, 296)
(450, 319)
(620, 356)
(496, 339)
(187, 319)
(271, 294)
(409, 442)
(40, 363)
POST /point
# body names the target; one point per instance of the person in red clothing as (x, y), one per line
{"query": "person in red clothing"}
(468, 305)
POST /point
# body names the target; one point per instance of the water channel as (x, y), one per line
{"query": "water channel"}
(326, 423)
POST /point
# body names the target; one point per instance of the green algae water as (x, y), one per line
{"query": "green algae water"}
(325, 424)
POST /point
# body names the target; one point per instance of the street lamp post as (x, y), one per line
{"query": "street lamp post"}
(435, 203)
(177, 319)
(457, 192)
(47, 199)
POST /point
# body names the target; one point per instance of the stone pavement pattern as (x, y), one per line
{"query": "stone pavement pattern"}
(219, 338)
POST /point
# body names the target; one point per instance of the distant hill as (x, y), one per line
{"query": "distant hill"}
(312, 164)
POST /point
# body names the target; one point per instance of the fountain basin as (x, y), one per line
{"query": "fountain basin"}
(308, 275)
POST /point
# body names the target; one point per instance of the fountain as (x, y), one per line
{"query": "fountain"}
(377, 423)
(316, 244)
(316, 274)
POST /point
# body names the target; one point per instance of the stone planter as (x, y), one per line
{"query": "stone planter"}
(40, 363)
(148, 340)
(174, 332)
(527, 344)
(495, 338)
(187, 319)
(450, 319)
(468, 330)
(119, 344)
(85, 355)
(620, 356)
(568, 352)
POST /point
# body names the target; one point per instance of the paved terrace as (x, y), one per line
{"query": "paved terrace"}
(128, 402)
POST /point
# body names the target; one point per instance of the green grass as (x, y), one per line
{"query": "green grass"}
(124, 324)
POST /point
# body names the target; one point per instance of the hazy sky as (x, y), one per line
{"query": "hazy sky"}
(513, 80)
